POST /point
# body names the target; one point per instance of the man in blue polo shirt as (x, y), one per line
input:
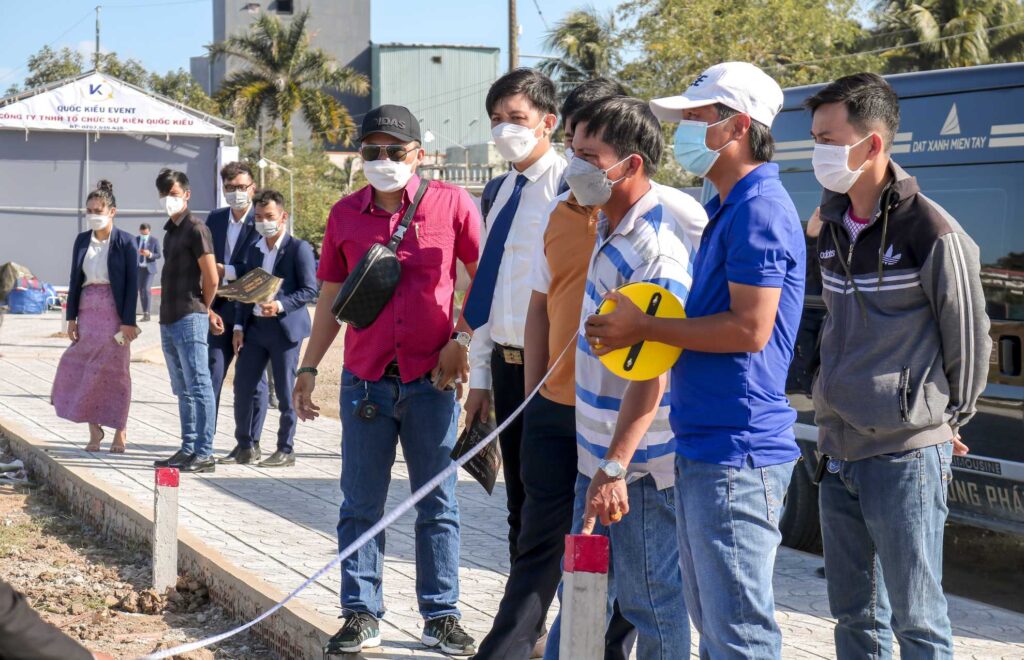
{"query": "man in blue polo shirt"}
(730, 415)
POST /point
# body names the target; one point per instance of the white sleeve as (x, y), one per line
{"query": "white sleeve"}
(229, 273)
(480, 350)
(540, 273)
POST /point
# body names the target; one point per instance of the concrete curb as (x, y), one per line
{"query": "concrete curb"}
(294, 631)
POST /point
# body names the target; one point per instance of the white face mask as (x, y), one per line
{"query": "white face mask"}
(268, 229)
(237, 200)
(173, 205)
(831, 166)
(97, 221)
(590, 184)
(514, 142)
(387, 175)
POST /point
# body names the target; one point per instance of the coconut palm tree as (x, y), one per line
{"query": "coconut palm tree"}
(587, 45)
(284, 75)
(954, 33)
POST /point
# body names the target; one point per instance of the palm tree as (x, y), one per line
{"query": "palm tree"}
(284, 74)
(587, 44)
(954, 33)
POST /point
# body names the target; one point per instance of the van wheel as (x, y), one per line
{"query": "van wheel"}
(800, 524)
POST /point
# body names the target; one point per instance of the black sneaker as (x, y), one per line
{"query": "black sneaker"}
(446, 632)
(359, 632)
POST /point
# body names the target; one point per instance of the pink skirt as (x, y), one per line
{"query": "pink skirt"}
(93, 382)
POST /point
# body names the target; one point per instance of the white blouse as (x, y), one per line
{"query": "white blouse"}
(95, 263)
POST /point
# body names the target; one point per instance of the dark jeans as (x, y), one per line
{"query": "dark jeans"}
(549, 478)
(508, 383)
(145, 280)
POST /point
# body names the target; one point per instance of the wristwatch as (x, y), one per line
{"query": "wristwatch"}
(613, 469)
(462, 339)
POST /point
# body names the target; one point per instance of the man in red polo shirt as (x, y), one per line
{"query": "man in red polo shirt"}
(400, 377)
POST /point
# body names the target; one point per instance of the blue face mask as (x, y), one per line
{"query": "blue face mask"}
(691, 148)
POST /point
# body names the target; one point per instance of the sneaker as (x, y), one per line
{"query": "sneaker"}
(359, 632)
(446, 632)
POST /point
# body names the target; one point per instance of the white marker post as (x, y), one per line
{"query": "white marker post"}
(584, 597)
(165, 529)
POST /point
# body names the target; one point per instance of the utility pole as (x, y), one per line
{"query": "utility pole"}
(513, 36)
(259, 130)
(96, 55)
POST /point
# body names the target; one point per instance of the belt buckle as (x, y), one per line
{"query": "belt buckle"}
(512, 356)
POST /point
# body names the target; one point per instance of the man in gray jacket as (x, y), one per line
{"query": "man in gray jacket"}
(904, 357)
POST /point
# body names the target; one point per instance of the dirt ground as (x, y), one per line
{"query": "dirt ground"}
(98, 593)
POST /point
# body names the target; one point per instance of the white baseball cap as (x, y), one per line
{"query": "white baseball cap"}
(737, 85)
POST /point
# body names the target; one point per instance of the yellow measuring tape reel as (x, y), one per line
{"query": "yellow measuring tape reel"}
(648, 359)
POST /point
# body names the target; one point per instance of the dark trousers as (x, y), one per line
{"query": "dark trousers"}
(548, 463)
(145, 288)
(508, 383)
(265, 341)
(221, 355)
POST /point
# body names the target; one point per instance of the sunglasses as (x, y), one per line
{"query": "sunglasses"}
(395, 152)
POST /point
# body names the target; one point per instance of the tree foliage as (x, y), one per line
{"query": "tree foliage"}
(180, 86)
(949, 33)
(795, 41)
(283, 75)
(586, 44)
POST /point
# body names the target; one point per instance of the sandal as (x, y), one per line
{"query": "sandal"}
(94, 443)
(117, 446)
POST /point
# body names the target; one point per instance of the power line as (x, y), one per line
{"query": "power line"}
(875, 51)
(132, 5)
(51, 43)
(541, 14)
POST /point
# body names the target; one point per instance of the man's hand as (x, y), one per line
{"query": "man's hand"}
(814, 224)
(220, 271)
(959, 448)
(269, 309)
(130, 332)
(237, 341)
(607, 500)
(145, 253)
(478, 404)
(302, 397)
(453, 365)
(73, 331)
(620, 328)
(216, 323)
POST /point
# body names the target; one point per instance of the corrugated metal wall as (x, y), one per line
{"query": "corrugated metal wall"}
(444, 86)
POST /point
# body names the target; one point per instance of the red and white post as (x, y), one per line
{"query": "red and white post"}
(165, 529)
(584, 597)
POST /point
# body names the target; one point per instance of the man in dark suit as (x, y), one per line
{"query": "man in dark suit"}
(233, 234)
(148, 248)
(272, 331)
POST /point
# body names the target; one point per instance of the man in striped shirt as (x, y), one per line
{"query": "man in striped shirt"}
(645, 233)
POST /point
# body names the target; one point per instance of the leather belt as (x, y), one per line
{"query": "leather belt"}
(392, 370)
(510, 354)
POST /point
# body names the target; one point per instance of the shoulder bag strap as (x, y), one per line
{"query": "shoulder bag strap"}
(399, 234)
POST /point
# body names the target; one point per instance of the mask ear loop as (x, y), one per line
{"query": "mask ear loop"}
(616, 165)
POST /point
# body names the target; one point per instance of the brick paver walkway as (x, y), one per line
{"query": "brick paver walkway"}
(281, 523)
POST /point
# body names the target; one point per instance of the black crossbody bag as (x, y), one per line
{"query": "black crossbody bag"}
(370, 285)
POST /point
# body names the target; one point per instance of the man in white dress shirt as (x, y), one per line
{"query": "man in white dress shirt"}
(522, 106)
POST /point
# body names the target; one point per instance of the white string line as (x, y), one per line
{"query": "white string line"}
(369, 534)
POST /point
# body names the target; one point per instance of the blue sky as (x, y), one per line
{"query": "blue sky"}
(163, 34)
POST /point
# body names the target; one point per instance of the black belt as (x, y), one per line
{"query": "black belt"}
(510, 354)
(392, 370)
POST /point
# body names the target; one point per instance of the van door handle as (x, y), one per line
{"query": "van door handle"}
(1009, 355)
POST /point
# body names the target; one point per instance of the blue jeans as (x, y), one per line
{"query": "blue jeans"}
(643, 574)
(882, 521)
(424, 419)
(728, 526)
(185, 351)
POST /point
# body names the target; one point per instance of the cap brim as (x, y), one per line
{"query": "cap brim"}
(670, 108)
(404, 137)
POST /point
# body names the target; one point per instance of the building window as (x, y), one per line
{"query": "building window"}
(285, 6)
(436, 59)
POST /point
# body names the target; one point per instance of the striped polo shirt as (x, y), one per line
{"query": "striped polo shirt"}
(653, 243)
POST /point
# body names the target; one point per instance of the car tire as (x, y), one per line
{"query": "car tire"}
(800, 523)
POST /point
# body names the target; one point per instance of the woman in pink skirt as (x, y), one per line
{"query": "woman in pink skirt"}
(93, 383)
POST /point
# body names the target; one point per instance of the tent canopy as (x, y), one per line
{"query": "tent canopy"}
(97, 103)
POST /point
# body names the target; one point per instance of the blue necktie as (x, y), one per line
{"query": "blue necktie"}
(478, 306)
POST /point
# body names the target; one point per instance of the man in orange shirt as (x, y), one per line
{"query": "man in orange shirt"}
(548, 458)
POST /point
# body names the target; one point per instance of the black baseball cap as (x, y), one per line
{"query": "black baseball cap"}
(393, 120)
